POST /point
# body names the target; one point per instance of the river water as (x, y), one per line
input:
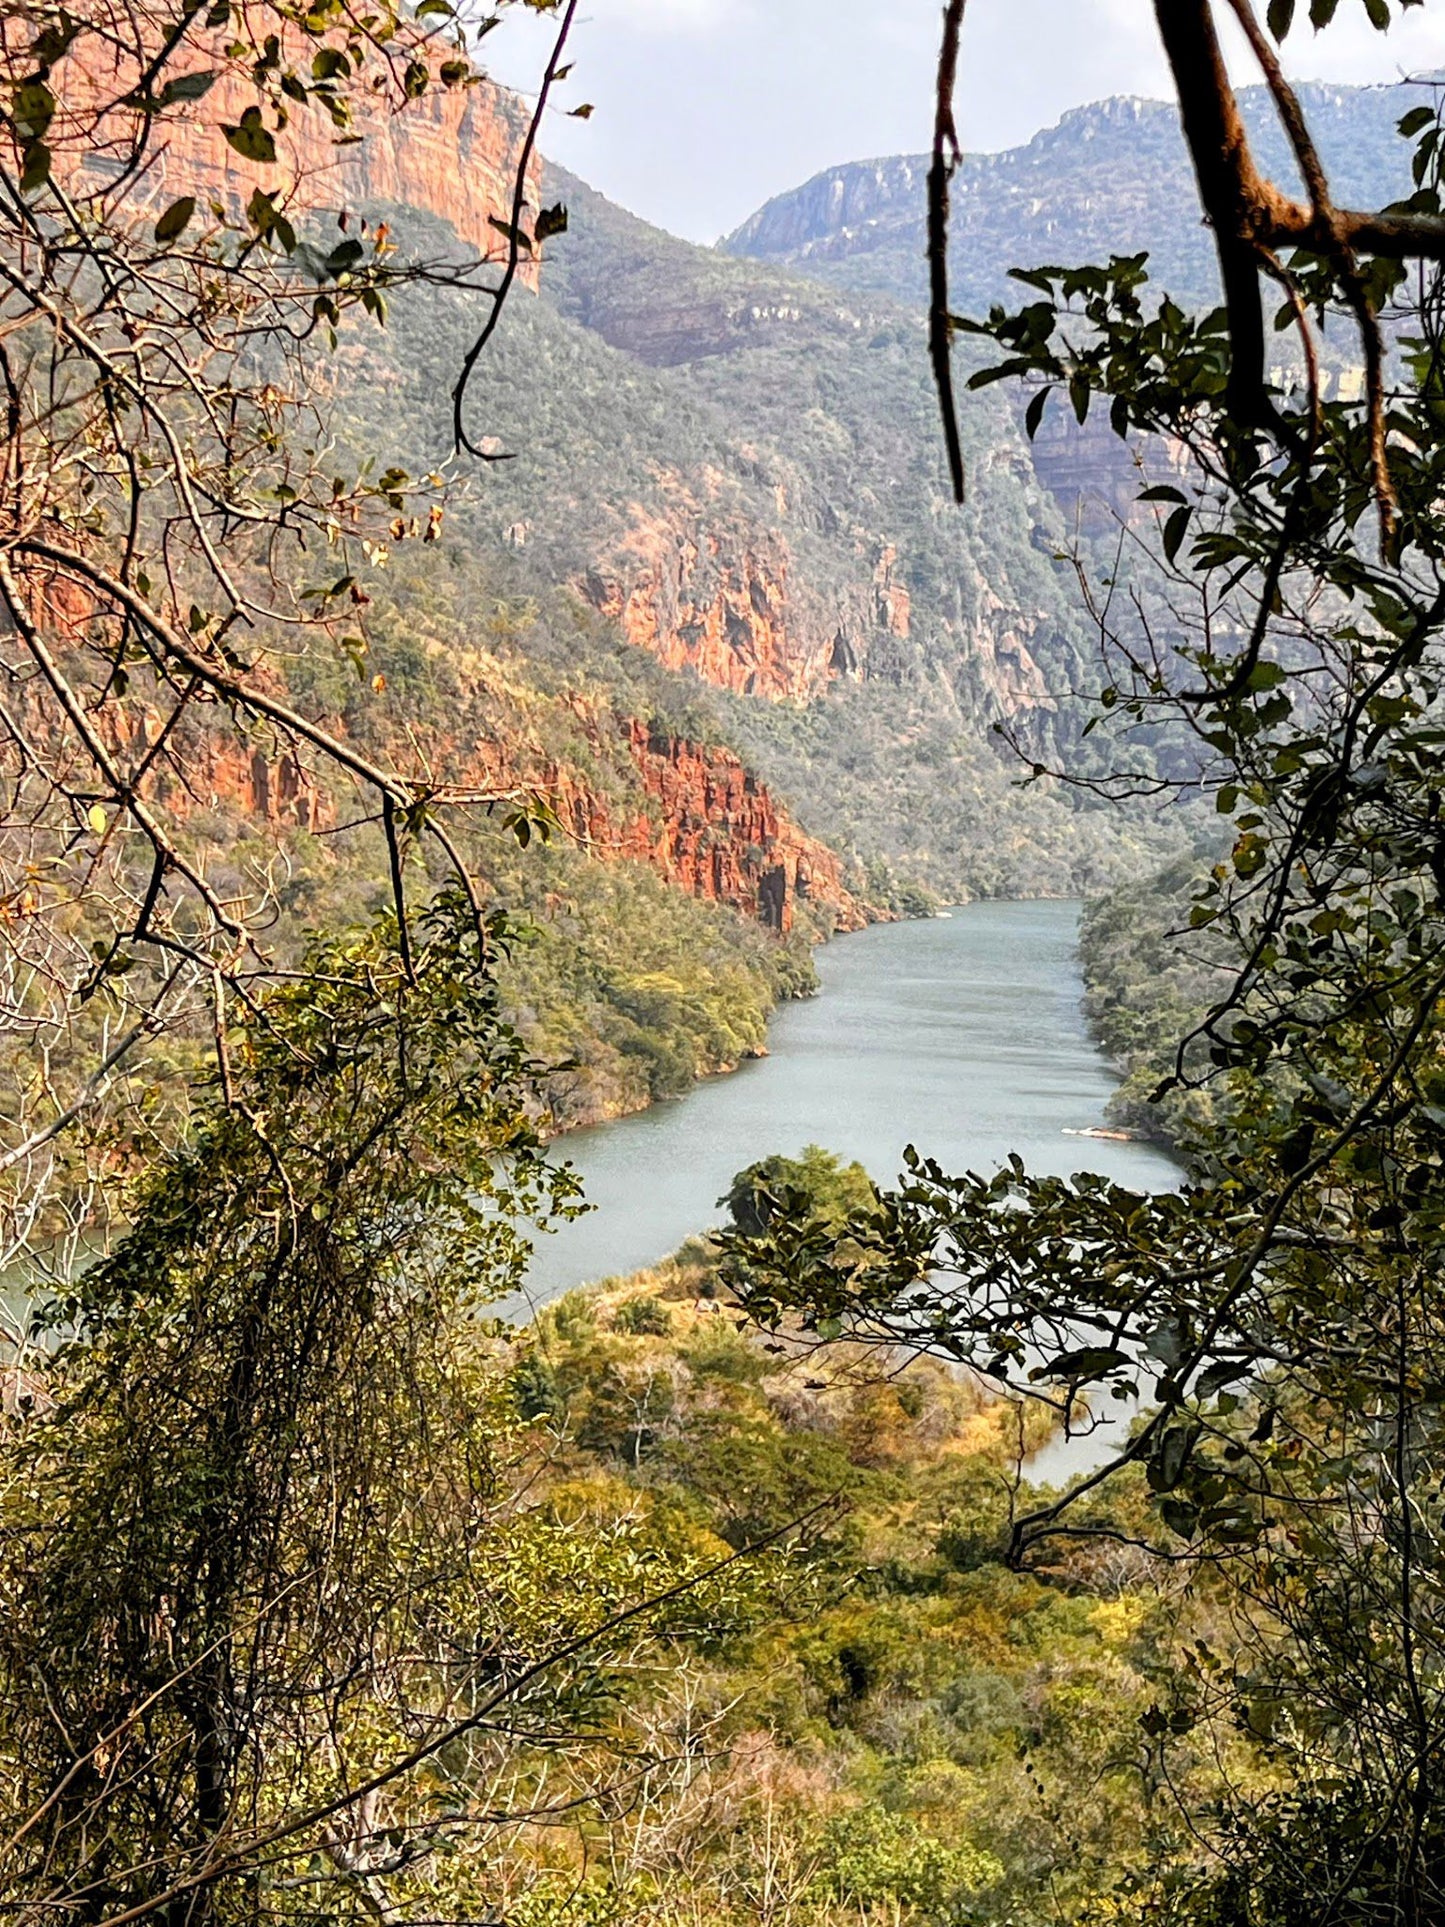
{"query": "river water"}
(963, 1035)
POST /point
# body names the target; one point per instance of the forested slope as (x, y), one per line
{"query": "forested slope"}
(893, 1724)
(1110, 178)
(738, 474)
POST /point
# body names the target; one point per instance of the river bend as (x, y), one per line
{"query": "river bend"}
(963, 1035)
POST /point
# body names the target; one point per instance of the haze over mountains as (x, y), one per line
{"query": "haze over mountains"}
(1111, 178)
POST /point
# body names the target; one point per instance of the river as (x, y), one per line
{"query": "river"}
(963, 1035)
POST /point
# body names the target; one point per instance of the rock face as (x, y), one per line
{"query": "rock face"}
(699, 594)
(721, 835)
(833, 210)
(691, 811)
(707, 824)
(725, 602)
(711, 582)
(454, 151)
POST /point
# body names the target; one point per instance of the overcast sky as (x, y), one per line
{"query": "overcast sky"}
(706, 108)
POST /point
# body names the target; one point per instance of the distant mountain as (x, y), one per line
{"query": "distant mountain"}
(736, 473)
(1113, 178)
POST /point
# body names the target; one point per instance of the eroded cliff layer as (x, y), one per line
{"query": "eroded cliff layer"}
(636, 792)
(454, 151)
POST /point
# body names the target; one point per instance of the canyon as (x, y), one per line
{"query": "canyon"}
(748, 640)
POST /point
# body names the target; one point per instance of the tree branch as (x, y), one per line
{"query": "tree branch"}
(946, 157)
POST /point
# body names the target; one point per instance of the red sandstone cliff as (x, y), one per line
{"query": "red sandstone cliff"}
(700, 585)
(453, 151)
(701, 595)
(691, 811)
(718, 832)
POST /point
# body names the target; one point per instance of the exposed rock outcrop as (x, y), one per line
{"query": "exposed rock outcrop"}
(721, 834)
(705, 588)
(454, 151)
(694, 812)
(710, 826)
(699, 597)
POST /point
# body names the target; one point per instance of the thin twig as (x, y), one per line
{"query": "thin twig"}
(514, 239)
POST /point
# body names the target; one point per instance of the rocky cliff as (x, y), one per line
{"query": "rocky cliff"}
(1110, 178)
(698, 816)
(454, 151)
(704, 587)
(718, 832)
(640, 792)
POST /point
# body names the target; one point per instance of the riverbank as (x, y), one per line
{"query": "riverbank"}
(965, 1036)
(1145, 988)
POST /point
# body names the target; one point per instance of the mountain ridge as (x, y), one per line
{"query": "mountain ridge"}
(1112, 175)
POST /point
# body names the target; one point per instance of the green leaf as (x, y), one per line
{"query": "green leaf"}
(53, 42)
(1224, 1373)
(1175, 530)
(32, 108)
(1281, 17)
(1163, 493)
(250, 139)
(1092, 1361)
(1171, 1456)
(1181, 1519)
(513, 234)
(1379, 12)
(187, 87)
(35, 171)
(1322, 12)
(1297, 1149)
(176, 218)
(1416, 121)
(551, 220)
(1168, 1342)
(1249, 856)
(1034, 414)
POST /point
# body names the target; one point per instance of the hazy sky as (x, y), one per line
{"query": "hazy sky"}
(705, 108)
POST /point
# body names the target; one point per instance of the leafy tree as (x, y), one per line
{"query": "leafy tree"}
(1281, 1311)
(175, 546)
(252, 1574)
(816, 1185)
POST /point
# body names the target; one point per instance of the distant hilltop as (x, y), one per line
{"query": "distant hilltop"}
(1113, 177)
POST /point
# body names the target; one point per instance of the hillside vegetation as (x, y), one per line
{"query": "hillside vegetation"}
(785, 467)
(1110, 178)
(895, 1725)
